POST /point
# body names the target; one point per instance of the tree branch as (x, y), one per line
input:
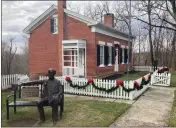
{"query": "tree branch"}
(159, 26)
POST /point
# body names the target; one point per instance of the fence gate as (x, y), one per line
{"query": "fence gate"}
(161, 79)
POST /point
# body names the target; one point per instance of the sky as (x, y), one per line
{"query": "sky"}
(16, 15)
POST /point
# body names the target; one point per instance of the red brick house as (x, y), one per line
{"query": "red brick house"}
(76, 45)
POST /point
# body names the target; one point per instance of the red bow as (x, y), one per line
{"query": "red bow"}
(90, 80)
(150, 75)
(143, 78)
(159, 70)
(119, 82)
(136, 84)
(67, 78)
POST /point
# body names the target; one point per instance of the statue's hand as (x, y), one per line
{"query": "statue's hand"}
(55, 97)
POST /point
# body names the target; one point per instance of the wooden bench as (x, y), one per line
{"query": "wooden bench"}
(19, 103)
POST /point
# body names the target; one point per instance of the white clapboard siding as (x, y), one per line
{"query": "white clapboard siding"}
(91, 91)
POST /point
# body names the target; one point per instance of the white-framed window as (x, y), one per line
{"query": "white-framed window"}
(110, 56)
(123, 55)
(55, 25)
(101, 55)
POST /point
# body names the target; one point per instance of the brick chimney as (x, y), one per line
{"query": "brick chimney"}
(109, 19)
(61, 32)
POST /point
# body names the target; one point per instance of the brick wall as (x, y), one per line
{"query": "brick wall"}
(42, 50)
(79, 30)
(45, 48)
(109, 69)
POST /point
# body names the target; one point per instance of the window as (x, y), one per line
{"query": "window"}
(126, 56)
(54, 25)
(101, 55)
(123, 55)
(110, 55)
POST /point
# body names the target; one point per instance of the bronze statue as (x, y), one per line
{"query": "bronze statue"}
(51, 96)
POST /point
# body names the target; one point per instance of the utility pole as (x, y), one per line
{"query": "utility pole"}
(129, 44)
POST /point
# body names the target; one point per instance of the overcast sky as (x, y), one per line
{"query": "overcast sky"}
(16, 15)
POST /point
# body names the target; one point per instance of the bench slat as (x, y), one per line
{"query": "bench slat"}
(23, 103)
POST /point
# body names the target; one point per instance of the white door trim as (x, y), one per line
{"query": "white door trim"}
(81, 62)
(116, 65)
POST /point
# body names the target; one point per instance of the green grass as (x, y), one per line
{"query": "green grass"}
(173, 79)
(133, 76)
(172, 119)
(77, 112)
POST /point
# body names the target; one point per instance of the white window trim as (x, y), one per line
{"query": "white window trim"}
(122, 46)
(55, 17)
(102, 65)
(110, 64)
(116, 42)
(109, 44)
(101, 42)
(123, 55)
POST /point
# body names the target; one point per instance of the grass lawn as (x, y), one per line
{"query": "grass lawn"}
(173, 79)
(77, 112)
(133, 76)
(172, 119)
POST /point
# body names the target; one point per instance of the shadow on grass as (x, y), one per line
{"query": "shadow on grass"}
(77, 112)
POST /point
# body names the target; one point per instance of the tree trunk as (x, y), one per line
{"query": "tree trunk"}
(150, 31)
(172, 59)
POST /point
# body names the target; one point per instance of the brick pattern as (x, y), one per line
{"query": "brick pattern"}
(80, 30)
(45, 48)
(109, 19)
(109, 69)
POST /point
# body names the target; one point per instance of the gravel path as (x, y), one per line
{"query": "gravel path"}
(151, 109)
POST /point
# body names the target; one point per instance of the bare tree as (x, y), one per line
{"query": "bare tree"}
(9, 51)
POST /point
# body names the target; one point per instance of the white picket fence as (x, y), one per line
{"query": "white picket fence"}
(7, 80)
(161, 79)
(91, 91)
(144, 68)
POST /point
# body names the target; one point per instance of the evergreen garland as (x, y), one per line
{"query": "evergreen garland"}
(164, 69)
(118, 84)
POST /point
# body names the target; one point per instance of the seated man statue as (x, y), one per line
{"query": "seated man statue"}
(52, 93)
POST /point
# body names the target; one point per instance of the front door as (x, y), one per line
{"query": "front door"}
(81, 62)
(116, 66)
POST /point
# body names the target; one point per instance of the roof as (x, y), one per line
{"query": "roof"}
(94, 24)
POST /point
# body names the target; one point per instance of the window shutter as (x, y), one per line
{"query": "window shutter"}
(98, 55)
(52, 25)
(113, 57)
(106, 55)
(126, 55)
(120, 55)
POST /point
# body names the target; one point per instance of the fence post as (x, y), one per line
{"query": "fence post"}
(169, 79)
(152, 78)
(131, 96)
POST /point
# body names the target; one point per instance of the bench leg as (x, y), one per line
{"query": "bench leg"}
(60, 114)
(7, 108)
(62, 105)
(62, 108)
(15, 109)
